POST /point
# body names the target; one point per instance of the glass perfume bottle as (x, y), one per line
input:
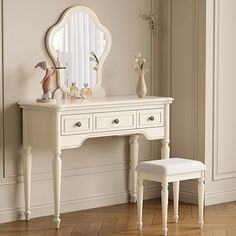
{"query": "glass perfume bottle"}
(86, 91)
(74, 91)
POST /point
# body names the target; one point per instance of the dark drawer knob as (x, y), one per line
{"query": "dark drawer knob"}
(116, 121)
(78, 124)
(151, 118)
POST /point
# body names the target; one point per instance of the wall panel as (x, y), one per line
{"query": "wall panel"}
(220, 96)
(26, 23)
(184, 77)
(224, 90)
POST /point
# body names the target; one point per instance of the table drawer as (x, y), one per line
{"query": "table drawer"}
(76, 124)
(150, 118)
(114, 121)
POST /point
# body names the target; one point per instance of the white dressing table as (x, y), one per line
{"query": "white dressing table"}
(82, 44)
(67, 124)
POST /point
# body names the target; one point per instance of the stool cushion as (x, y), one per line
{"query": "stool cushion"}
(170, 166)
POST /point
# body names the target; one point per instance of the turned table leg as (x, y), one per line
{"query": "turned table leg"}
(133, 163)
(140, 204)
(56, 169)
(27, 159)
(165, 149)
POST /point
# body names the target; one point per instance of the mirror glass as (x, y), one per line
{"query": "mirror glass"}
(81, 44)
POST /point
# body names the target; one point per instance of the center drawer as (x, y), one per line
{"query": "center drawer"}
(114, 121)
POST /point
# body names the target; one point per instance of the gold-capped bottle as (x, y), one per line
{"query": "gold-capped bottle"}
(74, 91)
(86, 92)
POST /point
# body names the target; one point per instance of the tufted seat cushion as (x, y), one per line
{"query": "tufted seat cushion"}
(170, 166)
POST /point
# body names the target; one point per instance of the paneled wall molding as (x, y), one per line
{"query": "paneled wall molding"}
(219, 197)
(169, 51)
(218, 174)
(195, 76)
(154, 51)
(165, 81)
(41, 176)
(154, 145)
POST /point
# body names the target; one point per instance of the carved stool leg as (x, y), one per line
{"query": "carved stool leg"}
(176, 200)
(201, 189)
(164, 204)
(140, 204)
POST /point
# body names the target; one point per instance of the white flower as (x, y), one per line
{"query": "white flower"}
(91, 58)
(140, 64)
(139, 55)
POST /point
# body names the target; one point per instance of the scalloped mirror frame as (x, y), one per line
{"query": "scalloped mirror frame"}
(98, 90)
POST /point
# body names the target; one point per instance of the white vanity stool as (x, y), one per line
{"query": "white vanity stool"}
(170, 170)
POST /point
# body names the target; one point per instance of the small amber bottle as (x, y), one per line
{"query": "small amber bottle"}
(86, 92)
(74, 91)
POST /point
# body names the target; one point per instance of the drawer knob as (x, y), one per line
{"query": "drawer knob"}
(116, 121)
(78, 124)
(151, 118)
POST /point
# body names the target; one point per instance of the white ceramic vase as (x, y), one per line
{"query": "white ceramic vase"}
(141, 89)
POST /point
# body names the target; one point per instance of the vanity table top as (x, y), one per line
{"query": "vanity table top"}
(96, 102)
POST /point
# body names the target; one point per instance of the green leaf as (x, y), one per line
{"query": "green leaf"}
(141, 67)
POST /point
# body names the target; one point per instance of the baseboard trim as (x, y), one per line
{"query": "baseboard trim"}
(220, 197)
(113, 199)
(75, 205)
(210, 198)
(188, 197)
(185, 196)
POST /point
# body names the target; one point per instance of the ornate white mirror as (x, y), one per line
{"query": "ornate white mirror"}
(81, 43)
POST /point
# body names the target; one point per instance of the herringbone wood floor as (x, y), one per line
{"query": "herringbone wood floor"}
(220, 220)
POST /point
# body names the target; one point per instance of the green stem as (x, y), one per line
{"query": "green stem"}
(96, 58)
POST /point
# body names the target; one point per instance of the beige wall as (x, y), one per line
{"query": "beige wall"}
(197, 68)
(220, 101)
(98, 171)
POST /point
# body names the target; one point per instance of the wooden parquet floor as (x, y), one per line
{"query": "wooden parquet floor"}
(120, 220)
